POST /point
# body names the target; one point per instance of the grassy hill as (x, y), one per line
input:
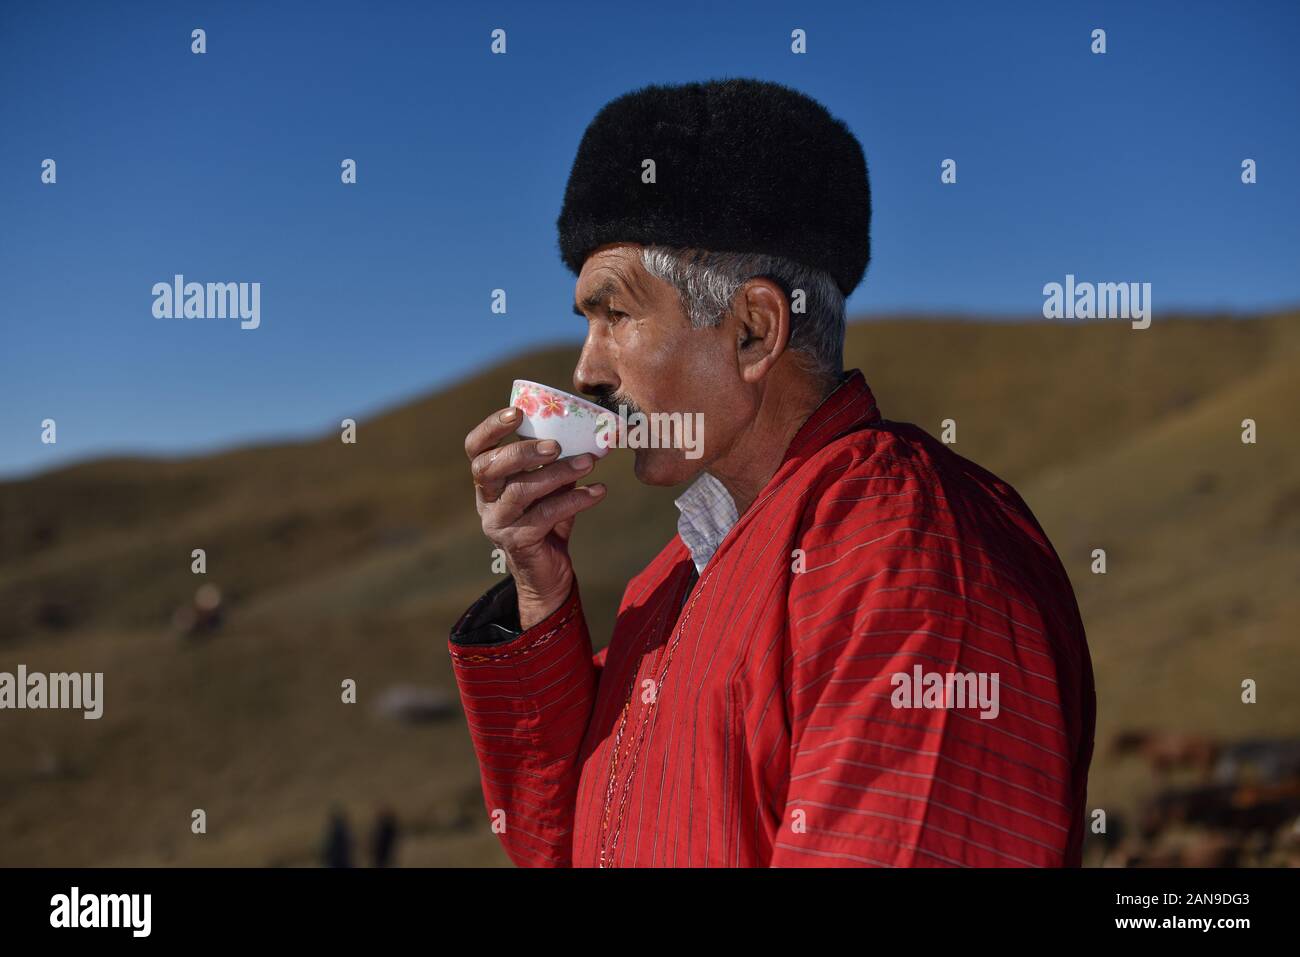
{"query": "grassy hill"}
(352, 561)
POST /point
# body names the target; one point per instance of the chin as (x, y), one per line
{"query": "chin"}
(663, 467)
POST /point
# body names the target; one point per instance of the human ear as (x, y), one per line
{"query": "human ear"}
(762, 327)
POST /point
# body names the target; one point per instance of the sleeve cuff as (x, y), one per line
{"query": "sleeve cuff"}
(491, 620)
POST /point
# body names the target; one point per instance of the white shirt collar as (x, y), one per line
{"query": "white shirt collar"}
(708, 512)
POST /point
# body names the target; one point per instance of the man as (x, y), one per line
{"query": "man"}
(861, 648)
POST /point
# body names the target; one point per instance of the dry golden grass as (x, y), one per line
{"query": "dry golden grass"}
(352, 561)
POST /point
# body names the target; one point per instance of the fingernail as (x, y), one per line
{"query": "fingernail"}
(509, 415)
(548, 447)
(581, 463)
(596, 489)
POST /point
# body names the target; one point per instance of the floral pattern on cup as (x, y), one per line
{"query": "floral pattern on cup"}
(543, 404)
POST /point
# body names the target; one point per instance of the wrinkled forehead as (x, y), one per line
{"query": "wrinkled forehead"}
(609, 274)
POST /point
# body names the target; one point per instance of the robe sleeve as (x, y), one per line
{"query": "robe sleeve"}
(528, 700)
(875, 780)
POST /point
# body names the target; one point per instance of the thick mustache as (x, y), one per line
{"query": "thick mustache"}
(611, 402)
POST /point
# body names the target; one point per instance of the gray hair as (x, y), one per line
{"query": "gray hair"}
(708, 282)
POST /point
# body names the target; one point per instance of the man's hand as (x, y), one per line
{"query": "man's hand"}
(527, 502)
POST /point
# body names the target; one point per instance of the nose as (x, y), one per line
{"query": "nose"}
(594, 374)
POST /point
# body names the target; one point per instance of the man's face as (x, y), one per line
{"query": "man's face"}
(642, 352)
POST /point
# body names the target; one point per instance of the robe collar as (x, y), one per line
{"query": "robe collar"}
(708, 511)
(850, 406)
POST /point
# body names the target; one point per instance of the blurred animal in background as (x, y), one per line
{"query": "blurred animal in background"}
(1264, 760)
(412, 704)
(1166, 751)
(1241, 807)
(202, 617)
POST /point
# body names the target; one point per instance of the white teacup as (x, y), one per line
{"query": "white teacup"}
(578, 425)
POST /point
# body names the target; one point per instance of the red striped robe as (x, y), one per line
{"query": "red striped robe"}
(752, 722)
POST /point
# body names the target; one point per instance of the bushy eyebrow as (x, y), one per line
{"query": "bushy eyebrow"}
(598, 298)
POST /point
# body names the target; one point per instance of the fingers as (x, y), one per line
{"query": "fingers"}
(490, 431)
(522, 489)
(494, 468)
(539, 520)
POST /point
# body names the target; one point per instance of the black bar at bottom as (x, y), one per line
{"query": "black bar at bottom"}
(558, 907)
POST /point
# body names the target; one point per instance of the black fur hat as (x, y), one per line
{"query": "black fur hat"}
(740, 166)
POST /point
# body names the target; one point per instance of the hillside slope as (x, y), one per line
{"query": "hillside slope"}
(352, 561)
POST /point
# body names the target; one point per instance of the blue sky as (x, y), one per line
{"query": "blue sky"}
(225, 167)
